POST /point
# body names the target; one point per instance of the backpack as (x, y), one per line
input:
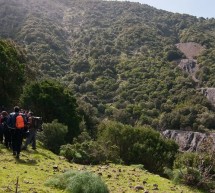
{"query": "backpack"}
(20, 123)
(37, 123)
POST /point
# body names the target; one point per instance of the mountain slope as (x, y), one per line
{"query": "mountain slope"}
(118, 57)
(35, 167)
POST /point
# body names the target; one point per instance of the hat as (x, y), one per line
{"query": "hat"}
(4, 113)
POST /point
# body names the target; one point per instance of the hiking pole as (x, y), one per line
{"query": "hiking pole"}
(17, 183)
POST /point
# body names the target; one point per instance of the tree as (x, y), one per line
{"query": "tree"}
(51, 100)
(12, 72)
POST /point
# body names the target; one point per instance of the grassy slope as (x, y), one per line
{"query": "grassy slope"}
(35, 167)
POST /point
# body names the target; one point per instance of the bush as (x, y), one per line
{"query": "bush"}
(195, 169)
(173, 55)
(139, 145)
(86, 151)
(189, 176)
(78, 182)
(53, 135)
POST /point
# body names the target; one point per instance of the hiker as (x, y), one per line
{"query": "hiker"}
(6, 130)
(18, 122)
(31, 138)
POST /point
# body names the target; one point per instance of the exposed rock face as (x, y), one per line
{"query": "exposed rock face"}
(190, 66)
(188, 140)
(209, 93)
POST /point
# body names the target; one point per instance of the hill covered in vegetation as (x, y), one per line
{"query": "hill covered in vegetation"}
(118, 69)
(118, 57)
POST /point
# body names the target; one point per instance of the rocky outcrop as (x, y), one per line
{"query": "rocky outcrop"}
(209, 93)
(188, 140)
(190, 66)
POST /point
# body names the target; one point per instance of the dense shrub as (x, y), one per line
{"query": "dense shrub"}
(189, 176)
(78, 182)
(139, 145)
(194, 169)
(53, 135)
(173, 55)
(187, 116)
(86, 151)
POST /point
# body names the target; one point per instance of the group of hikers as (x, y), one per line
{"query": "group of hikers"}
(16, 126)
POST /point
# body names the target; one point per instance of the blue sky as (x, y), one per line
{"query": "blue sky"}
(199, 8)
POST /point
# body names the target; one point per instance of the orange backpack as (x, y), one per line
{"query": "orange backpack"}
(20, 122)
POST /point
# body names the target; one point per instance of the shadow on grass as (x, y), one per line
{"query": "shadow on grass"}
(32, 157)
(28, 161)
(44, 155)
(39, 153)
(29, 156)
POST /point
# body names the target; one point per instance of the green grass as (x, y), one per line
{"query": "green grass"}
(74, 181)
(35, 167)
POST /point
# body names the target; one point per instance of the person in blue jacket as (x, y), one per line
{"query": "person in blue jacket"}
(17, 122)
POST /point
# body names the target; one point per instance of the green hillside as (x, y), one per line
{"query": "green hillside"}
(113, 72)
(35, 167)
(118, 57)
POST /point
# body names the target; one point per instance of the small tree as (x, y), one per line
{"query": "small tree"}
(52, 100)
(53, 135)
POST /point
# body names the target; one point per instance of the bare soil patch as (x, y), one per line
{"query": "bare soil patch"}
(190, 49)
